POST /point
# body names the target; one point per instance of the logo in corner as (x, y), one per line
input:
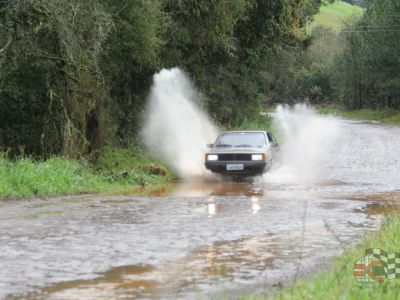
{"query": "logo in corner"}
(376, 266)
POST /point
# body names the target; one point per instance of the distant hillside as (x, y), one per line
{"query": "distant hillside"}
(334, 15)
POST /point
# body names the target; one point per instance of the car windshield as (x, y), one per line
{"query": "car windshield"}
(241, 139)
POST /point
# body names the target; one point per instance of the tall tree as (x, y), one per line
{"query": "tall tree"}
(51, 88)
(131, 57)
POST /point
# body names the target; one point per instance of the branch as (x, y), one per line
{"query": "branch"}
(7, 45)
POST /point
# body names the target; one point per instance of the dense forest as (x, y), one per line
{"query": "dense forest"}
(74, 75)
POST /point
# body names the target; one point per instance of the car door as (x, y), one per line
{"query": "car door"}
(274, 146)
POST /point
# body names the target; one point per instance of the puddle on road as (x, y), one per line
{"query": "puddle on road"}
(277, 244)
(199, 189)
(254, 188)
(222, 188)
(382, 208)
(379, 204)
(242, 261)
(233, 264)
(102, 287)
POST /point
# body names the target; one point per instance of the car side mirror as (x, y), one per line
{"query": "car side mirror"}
(209, 146)
(275, 145)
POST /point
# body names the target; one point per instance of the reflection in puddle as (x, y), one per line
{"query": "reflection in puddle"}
(247, 187)
(255, 206)
(129, 279)
(212, 209)
(212, 188)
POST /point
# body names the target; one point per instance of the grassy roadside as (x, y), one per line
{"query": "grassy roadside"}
(387, 116)
(114, 170)
(338, 282)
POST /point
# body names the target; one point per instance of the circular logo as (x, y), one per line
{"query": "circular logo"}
(368, 269)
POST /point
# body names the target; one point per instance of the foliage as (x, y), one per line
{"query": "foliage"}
(130, 58)
(224, 46)
(303, 76)
(23, 177)
(130, 165)
(307, 75)
(367, 73)
(356, 67)
(51, 88)
(74, 75)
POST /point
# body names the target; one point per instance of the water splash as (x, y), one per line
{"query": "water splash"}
(176, 128)
(308, 139)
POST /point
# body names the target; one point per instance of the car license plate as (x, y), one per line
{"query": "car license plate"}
(234, 167)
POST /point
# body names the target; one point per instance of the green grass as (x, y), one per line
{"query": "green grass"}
(338, 282)
(115, 170)
(387, 116)
(335, 15)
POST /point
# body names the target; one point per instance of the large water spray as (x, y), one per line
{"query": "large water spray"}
(176, 128)
(308, 138)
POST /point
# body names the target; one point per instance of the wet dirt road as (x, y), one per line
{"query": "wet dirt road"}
(208, 239)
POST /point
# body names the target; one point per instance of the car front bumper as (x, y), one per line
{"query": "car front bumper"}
(249, 167)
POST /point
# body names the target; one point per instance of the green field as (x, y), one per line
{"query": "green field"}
(336, 14)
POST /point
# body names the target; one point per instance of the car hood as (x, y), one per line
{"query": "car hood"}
(237, 150)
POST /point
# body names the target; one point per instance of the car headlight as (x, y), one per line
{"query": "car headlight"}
(258, 157)
(211, 157)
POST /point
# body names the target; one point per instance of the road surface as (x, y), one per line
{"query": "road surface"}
(201, 239)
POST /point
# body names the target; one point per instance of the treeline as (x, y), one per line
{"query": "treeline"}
(357, 67)
(368, 70)
(75, 74)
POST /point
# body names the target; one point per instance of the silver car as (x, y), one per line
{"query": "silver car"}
(243, 153)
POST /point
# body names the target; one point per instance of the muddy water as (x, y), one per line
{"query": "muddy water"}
(200, 239)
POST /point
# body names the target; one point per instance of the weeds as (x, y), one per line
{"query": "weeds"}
(115, 169)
